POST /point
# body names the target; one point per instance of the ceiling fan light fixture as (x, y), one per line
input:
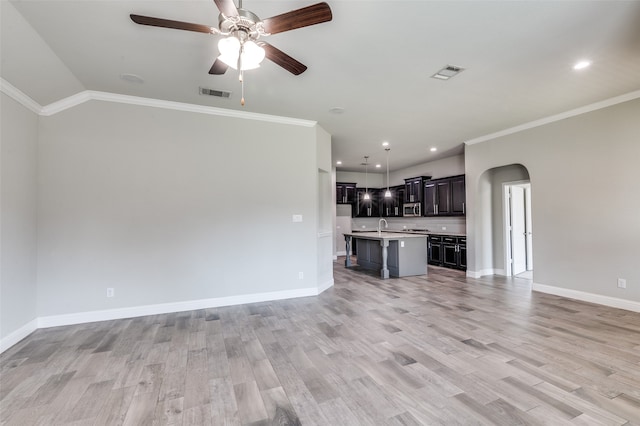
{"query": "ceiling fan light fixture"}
(230, 48)
(252, 54)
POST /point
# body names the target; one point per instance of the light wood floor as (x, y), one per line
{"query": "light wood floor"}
(437, 349)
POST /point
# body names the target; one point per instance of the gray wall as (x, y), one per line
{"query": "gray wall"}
(585, 199)
(168, 206)
(444, 167)
(18, 236)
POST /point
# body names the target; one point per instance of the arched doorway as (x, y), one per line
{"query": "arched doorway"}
(494, 218)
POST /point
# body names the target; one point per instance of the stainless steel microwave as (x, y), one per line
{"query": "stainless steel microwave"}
(411, 209)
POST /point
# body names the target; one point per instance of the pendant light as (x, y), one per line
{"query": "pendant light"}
(366, 186)
(387, 193)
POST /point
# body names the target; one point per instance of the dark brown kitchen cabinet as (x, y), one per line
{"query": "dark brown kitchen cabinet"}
(458, 196)
(447, 250)
(445, 197)
(367, 208)
(454, 252)
(392, 207)
(345, 193)
(413, 189)
(434, 250)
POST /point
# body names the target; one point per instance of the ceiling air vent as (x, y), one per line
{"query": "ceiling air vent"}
(447, 72)
(214, 92)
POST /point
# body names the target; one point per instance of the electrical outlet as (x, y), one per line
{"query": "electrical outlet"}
(297, 218)
(401, 243)
(622, 283)
(110, 292)
(301, 275)
(444, 228)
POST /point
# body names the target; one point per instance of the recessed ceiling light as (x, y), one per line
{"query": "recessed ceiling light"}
(434, 149)
(132, 78)
(336, 110)
(378, 166)
(339, 163)
(582, 65)
(385, 143)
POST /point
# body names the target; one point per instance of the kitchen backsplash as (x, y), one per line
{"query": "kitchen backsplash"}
(454, 225)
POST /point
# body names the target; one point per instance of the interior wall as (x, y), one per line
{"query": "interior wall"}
(326, 209)
(585, 180)
(450, 166)
(167, 206)
(371, 180)
(18, 232)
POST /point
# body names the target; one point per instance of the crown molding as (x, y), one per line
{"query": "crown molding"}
(91, 95)
(19, 96)
(568, 114)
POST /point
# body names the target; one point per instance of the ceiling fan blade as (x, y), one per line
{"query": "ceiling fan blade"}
(278, 57)
(310, 15)
(218, 67)
(167, 23)
(227, 7)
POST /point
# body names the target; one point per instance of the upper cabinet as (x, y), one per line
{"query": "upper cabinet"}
(438, 197)
(413, 189)
(392, 207)
(458, 196)
(445, 197)
(345, 193)
(367, 208)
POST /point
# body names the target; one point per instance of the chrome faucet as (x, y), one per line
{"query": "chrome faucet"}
(386, 225)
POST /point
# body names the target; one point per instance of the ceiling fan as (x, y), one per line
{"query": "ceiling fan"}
(242, 48)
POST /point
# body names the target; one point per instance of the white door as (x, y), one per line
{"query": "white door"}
(529, 228)
(518, 230)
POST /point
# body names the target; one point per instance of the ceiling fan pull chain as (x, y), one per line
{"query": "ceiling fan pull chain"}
(242, 87)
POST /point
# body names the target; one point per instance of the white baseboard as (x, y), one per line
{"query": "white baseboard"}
(613, 302)
(162, 308)
(341, 253)
(480, 273)
(165, 308)
(325, 286)
(19, 334)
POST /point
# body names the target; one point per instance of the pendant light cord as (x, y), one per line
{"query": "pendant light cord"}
(388, 193)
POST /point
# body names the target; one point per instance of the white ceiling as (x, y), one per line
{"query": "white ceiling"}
(374, 60)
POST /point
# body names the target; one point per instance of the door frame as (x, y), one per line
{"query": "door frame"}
(506, 223)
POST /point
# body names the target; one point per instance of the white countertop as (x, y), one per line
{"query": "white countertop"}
(384, 235)
(418, 233)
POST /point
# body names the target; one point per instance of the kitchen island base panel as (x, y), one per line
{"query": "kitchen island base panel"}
(391, 257)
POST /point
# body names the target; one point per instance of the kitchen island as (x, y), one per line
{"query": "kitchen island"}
(393, 254)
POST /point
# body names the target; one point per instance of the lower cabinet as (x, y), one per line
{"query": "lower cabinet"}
(434, 250)
(448, 251)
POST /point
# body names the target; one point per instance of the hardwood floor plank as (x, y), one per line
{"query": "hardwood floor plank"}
(115, 407)
(169, 412)
(278, 407)
(250, 404)
(91, 402)
(439, 349)
(224, 408)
